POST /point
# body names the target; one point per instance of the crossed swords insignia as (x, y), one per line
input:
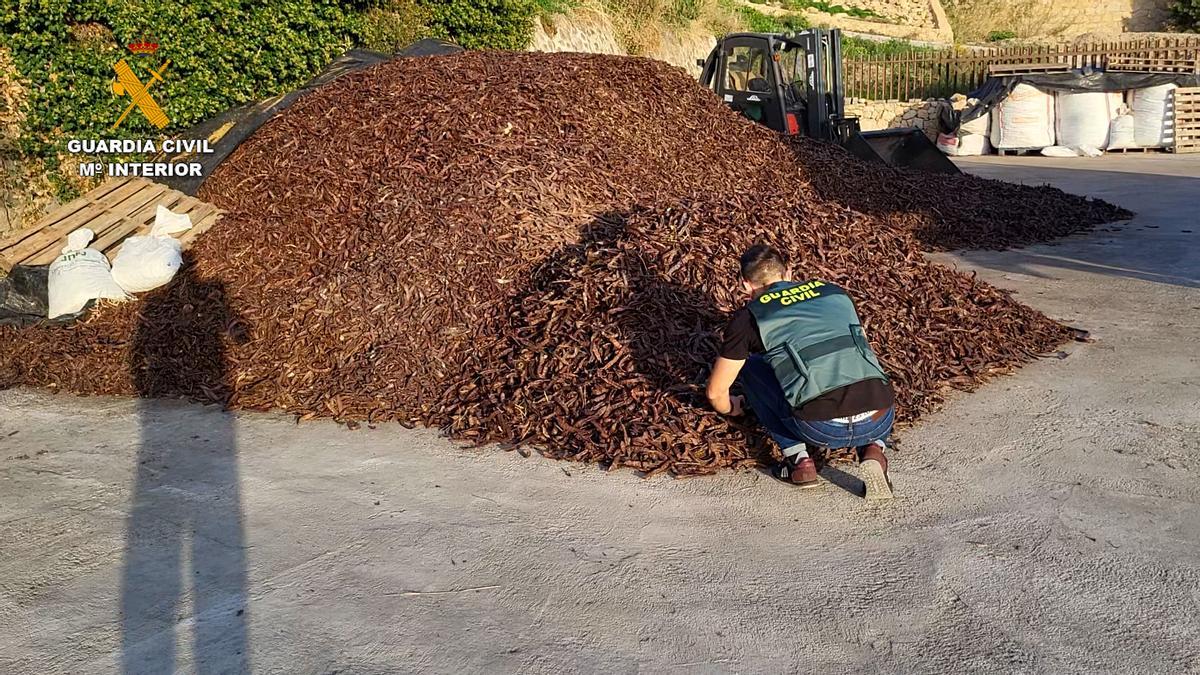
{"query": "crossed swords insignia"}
(128, 84)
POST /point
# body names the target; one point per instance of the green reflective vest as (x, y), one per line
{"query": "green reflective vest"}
(813, 338)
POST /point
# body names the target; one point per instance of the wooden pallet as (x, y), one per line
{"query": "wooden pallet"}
(1187, 119)
(1014, 152)
(1135, 150)
(116, 210)
(1002, 69)
(1175, 61)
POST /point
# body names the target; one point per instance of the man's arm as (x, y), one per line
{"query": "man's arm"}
(724, 372)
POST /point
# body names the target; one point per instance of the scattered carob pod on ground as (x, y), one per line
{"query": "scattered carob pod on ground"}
(543, 255)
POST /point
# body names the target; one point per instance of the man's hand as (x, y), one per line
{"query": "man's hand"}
(723, 374)
(736, 404)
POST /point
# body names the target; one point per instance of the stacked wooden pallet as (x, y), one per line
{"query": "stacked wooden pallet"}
(1187, 119)
(1002, 69)
(1186, 61)
(116, 210)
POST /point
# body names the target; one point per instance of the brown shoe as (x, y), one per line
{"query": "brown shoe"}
(802, 473)
(873, 465)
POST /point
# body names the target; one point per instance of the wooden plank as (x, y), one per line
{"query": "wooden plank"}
(139, 222)
(101, 221)
(154, 192)
(49, 236)
(201, 227)
(58, 214)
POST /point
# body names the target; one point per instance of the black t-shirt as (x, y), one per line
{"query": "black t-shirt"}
(743, 339)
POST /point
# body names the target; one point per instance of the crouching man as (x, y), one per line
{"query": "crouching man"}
(806, 369)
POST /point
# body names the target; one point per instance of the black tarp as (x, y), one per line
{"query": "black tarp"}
(23, 298)
(23, 294)
(237, 124)
(997, 88)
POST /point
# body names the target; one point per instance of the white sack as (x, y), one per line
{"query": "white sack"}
(1084, 118)
(79, 275)
(1024, 119)
(1153, 116)
(963, 146)
(948, 144)
(1121, 133)
(145, 263)
(973, 145)
(980, 125)
(1059, 151)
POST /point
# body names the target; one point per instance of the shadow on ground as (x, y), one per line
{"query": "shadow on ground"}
(184, 568)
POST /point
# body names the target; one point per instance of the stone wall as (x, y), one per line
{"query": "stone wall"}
(1052, 21)
(589, 30)
(1111, 17)
(875, 115)
(923, 20)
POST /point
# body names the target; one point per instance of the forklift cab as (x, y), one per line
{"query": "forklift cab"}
(788, 82)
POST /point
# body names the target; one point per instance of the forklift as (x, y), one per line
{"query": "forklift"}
(792, 83)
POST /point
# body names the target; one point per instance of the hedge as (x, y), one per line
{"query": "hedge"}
(222, 52)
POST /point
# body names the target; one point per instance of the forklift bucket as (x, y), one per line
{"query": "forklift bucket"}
(904, 148)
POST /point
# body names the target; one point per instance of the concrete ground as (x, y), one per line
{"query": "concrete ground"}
(1047, 523)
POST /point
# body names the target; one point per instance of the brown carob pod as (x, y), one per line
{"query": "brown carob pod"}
(539, 250)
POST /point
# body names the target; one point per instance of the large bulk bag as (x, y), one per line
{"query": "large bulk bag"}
(1121, 135)
(972, 145)
(1083, 119)
(1153, 116)
(1024, 119)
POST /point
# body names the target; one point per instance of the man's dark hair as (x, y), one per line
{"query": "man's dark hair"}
(762, 264)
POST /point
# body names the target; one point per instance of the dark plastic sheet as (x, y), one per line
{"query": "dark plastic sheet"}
(997, 88)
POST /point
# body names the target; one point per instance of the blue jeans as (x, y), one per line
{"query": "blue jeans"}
(765, 396)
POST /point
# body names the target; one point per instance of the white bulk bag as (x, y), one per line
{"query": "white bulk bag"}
(1024, 119)
(980, 125)
(145, 263)
(1083, 118)
(1153, 116)
(78, 275)
(1121, 133)
(972, 145)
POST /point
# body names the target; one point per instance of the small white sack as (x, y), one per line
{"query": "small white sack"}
(948, 144)
(1059, 151)
(1121, 134)
(145, 263)
(79, 275)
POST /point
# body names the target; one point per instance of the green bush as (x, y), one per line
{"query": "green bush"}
(552, 7)
(998, 35)
(1185, 14)
(822, 6)
(857, 47)
(757, 22)
(485, 24)
(683, 12)
(222, 52)
(394, 24)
